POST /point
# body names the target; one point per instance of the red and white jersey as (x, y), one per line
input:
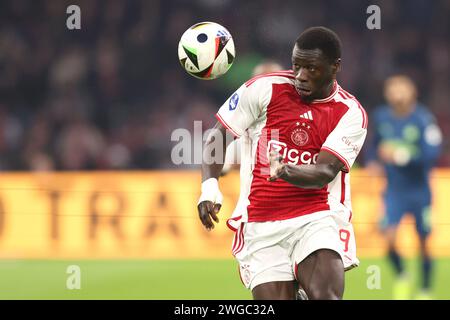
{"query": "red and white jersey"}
(267, 113)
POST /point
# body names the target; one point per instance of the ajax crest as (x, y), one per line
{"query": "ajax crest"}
(245, 274)
(299, 136)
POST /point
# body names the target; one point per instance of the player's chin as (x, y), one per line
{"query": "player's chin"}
(305, 93)
(307, 96)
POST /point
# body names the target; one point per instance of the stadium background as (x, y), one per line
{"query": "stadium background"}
(86, 118)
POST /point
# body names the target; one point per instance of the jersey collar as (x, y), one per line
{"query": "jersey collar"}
(334, 91)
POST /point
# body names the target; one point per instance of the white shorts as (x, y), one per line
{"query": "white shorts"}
(270, 251)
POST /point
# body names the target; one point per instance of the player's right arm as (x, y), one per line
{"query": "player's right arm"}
(235, 116)
(211, 198)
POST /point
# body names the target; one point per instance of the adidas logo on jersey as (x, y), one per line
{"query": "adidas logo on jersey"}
(307, 115)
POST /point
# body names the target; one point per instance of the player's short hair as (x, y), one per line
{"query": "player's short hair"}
(321, 38)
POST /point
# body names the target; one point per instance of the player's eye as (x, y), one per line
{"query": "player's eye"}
(311, 68)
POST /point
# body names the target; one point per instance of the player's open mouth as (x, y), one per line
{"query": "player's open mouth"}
(304, 91)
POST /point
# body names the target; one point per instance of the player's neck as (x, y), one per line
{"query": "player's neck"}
(327, 91)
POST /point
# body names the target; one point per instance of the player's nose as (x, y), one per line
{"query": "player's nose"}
(302, 75)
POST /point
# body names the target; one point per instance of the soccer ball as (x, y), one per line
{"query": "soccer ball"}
(206, 50)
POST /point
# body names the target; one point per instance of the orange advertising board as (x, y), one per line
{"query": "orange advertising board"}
(153, 215)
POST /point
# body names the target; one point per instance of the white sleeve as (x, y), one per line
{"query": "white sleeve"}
(233, 154)
(245, 106)
(347, 138)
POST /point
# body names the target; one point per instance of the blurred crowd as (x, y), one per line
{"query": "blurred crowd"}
(108, 96)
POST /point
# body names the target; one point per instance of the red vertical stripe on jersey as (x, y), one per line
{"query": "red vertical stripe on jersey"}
(343, 187)
(241, 239)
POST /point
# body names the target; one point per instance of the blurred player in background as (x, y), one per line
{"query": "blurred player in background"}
(406, 142)
(301, 133)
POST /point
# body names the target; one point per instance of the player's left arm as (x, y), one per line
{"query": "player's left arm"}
(338, 153)
(311, 176)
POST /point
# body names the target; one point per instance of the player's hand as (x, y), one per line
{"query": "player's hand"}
(209, 203)
(206, 211)
(276, 165)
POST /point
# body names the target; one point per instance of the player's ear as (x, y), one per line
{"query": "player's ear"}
(337, 65)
